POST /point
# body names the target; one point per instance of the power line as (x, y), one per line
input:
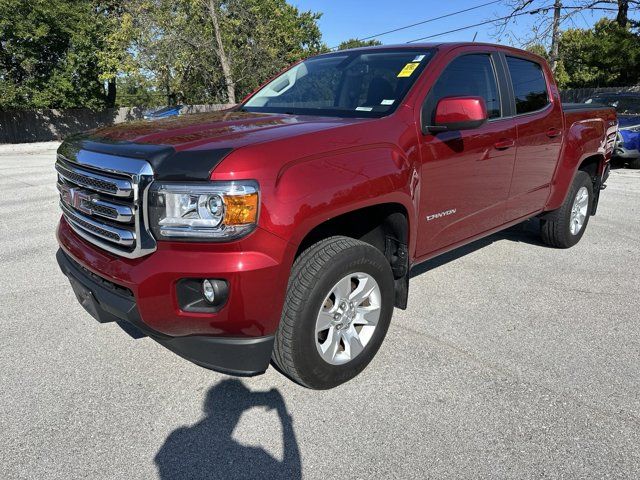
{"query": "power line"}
(424, 21)
(527, 12)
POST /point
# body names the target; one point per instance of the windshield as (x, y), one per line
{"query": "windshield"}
(623, 105)
(368, 83)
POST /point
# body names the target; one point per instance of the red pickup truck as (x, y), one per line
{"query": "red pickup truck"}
(284, 229)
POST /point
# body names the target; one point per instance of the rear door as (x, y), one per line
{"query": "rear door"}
(540, 125)
(466, 174)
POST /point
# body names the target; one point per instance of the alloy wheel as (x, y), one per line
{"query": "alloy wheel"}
(348, 318)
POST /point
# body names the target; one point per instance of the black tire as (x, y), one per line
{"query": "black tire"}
(556, 225)
(314, 274)
(635, 163)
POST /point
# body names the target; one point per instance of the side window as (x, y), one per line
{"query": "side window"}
(529, 85)
(468, 75)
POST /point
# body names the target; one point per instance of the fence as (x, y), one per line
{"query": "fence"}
(22, 126)
(579, 95)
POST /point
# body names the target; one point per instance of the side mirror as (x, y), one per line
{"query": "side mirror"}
(459, 113)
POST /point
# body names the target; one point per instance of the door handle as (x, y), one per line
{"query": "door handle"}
(504, 144)
(554, 132)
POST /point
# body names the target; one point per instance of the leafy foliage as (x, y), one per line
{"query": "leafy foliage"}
(603, 56)
(606, 55)
(49, 54)
(355, 43)
(74, 53)
(260, 37)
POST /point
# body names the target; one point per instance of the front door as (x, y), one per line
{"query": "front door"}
(465, 174)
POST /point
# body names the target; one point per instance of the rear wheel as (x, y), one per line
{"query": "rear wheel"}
(635, 163)
(337, 311)
(564, 227)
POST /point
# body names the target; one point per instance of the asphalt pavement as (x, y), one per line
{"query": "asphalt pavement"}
(513, 360)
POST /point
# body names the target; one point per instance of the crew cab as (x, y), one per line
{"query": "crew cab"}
(284, 229)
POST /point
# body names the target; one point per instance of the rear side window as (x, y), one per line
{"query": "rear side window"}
(467, 76)
(529, 85)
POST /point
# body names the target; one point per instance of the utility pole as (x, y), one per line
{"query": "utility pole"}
(557, 7)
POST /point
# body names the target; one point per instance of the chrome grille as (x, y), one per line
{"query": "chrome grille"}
(102, 199)
(119, 213)
(116, 235)
(112, 186)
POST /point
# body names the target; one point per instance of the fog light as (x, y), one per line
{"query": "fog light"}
(208, 291)
(202, 295)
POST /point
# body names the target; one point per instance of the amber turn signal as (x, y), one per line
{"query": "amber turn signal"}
(241, 209)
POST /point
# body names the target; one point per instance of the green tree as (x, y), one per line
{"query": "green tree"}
(355, 43)
(117, 32)
(61, 53)
(606, 55)
(97, 53)
(539, 49)
(52, 54)
(138, 90)
(219, 51)
(551, 16)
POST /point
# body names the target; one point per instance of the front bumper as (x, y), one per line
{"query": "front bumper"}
(237, 338)
(107, 302)
(256, 268)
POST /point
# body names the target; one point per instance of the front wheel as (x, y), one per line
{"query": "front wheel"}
(564, 227)
(337, 311)
(635, 163)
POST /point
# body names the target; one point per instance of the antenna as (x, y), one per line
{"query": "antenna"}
(474, 37)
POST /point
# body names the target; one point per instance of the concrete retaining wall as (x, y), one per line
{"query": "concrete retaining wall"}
(22, 126)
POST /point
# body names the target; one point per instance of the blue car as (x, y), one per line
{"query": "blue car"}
(163, 112)
(627, 106)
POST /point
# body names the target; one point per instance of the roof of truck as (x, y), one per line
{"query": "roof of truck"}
(419, 45)
(440, 46)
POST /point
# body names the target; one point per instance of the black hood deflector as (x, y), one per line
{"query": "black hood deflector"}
(167, 164)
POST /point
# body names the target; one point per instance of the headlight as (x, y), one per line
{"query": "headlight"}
(203, 211)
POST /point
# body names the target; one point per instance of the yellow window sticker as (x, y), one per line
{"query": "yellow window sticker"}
(408, 69)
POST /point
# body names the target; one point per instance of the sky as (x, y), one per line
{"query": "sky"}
(343, 19)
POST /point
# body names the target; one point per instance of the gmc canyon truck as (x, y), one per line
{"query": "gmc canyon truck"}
(284, 229)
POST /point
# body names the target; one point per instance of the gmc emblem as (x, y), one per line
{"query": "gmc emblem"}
(78, 199)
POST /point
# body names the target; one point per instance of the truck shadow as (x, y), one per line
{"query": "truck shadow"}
(525, 232)
(207, 450)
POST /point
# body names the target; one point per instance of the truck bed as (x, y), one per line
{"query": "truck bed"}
(574, 107)
(585, 112)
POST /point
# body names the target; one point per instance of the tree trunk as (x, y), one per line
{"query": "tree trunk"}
(222, 56)
(111, 93)
(623, 13)
(557, 7)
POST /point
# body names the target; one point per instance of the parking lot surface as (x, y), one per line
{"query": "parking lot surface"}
(513, 360)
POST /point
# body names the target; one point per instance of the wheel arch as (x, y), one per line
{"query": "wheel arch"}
(594, 164)
(385, 226)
